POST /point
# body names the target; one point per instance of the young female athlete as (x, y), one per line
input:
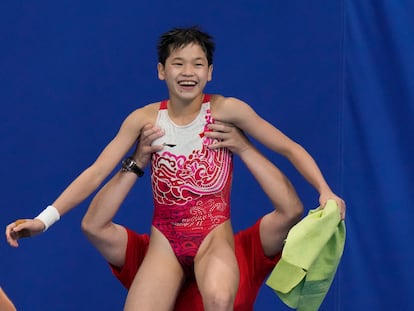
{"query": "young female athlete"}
(191, 182)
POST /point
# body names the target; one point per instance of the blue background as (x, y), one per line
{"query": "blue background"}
(336, 76)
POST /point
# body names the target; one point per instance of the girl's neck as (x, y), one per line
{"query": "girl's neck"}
(184, 111)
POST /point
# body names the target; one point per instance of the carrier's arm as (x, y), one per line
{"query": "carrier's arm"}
(108, 238)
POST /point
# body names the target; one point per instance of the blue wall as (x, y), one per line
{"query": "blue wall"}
(334, 75)
(378, 171)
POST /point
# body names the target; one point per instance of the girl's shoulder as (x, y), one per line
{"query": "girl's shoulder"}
(222, 106)
(145, 114)
(149, 109)
(219, 100)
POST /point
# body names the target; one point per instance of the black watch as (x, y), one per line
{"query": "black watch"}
(129, 165)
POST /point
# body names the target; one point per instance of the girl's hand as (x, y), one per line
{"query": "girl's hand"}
(330, 195)
(23, 228)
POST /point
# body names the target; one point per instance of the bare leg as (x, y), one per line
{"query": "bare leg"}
(158, 280)
(216, 269)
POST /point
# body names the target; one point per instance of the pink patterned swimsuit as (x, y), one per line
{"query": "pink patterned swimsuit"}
(191, 183)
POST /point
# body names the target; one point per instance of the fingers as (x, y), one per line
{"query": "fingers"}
(11, 239)
(23, 228)
(221, 127)
(15, 231)
(218, 122)
(228, 136)
(219, 132)
(144, 149)
(341, 204)
(342, 207)
(150, 133)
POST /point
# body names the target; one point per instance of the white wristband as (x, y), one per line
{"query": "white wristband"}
(48, 216)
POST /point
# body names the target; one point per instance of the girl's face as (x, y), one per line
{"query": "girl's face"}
(186, 71)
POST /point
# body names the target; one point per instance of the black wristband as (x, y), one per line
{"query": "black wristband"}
(130, 165)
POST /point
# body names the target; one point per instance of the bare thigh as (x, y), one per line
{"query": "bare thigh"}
(159, 278)
(215, 264)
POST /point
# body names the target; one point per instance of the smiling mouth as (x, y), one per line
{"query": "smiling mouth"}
(186, 83)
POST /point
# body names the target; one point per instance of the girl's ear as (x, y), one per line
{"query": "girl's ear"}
(161, 71)
(210, 73)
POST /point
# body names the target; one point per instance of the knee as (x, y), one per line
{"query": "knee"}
(218, 299)
(293, 211)
(85, 226)
(88, 227)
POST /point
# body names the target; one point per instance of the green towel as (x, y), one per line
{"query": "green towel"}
(310, 258)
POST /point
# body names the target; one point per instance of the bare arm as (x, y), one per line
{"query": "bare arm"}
(237, 112)
(108, 238)
(90, 179)
(288, 207)
(5, 303)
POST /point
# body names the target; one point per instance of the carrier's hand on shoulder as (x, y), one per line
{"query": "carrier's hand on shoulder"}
(325, 196)
(227, 136)
(144, 149)
(23, 228)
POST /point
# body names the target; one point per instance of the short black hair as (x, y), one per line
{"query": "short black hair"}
(181, 37)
